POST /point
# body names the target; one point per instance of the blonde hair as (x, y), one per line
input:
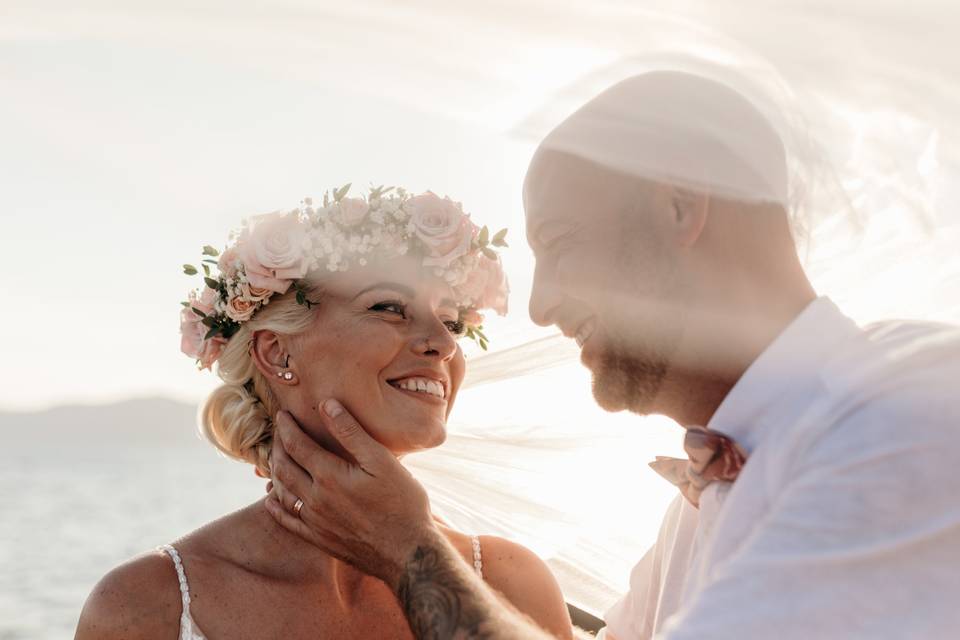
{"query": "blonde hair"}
(238, 416)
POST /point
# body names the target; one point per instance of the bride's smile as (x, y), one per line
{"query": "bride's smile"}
(384, 341)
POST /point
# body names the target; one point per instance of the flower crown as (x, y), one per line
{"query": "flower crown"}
(276, 251)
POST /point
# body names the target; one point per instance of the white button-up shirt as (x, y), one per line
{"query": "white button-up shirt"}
(845, 520)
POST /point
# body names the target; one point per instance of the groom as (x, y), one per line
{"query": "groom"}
(820, 499)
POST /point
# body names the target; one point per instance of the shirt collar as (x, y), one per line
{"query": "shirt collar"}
(782, 381)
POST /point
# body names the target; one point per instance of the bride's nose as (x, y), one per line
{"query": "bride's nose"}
(434, 340)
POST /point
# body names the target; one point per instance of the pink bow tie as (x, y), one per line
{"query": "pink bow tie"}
(713, 456)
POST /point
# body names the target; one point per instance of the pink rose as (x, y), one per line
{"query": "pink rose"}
(271, 249)
(472, 318)
(210, 353)
(192, 330)
(353, 211)
(254, 294)
(486, 286)
(240, 309)
(227, 263)
(442, 226)
(191, 333)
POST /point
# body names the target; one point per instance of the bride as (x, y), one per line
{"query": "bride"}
(362, 299)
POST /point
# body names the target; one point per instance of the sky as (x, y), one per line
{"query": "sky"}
(121, 162)
(133, 133)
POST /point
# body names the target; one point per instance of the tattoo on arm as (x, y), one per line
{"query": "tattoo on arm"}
(436, 599)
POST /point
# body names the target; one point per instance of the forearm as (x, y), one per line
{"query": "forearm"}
(442, 599)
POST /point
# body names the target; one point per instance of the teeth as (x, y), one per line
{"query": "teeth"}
(421, 385)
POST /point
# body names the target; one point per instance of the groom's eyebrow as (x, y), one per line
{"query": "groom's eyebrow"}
(393, 286)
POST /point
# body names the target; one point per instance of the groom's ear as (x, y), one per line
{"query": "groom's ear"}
(690, 210)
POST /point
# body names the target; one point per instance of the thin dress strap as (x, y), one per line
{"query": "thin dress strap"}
(477, 556)
(188, 628)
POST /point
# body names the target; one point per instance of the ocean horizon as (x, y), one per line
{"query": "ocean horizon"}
(89, 487)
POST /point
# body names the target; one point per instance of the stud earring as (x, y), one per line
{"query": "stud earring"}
(288, 375)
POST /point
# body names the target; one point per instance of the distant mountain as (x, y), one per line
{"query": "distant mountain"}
(137, 421)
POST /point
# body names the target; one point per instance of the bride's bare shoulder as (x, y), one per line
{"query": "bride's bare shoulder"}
(140, 599)
(521, 576)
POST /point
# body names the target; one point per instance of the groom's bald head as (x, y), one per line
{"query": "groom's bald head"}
(657, 208)
(679, 129)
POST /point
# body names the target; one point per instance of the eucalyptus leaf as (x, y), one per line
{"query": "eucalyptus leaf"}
(189, 269)
(484, 237)
(210, 251)
(490, 253)
(206, 269)
(185, 304)
(208, 322)
(499, 240)
(198, 312)
(213, 284)
(213, 331)
(209, 261)
(342, 191)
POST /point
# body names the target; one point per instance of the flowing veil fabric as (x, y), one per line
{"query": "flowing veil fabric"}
(871, 144)
(863, 93)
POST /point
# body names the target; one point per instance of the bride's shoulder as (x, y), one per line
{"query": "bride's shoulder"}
(138, 599)
(521, 576)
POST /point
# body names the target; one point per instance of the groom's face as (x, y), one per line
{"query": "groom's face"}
(605, 276)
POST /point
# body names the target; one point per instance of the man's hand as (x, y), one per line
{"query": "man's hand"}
(376, 516)
(371, 513)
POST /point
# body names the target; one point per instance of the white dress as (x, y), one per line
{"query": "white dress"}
(189, 629)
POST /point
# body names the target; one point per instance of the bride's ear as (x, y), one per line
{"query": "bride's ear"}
(270, 357)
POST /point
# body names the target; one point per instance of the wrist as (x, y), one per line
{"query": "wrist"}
(405, 558)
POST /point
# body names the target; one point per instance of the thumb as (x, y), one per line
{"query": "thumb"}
(344, 427)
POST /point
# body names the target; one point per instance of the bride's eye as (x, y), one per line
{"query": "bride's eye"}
(456, 327)
(391, 307)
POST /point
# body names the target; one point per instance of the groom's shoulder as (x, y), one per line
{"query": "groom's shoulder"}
(137, 599)
(905, 365)
(890, 396)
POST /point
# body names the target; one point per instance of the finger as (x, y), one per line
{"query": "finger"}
(289, 475)
(368, 453)
(287, 520)
(299, 448)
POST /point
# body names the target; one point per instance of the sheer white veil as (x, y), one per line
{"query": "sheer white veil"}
(861, 94)
(860, 173)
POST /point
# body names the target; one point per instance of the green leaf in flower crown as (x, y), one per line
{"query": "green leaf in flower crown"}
(213, 331)
(499, 240)
(206, 269)
(484, 238)
(342, 191)
(185, 304)
(490, 253)
(189, 269)
(198, 312)
(208, 322)
(213, 284)
(210, 251)
(209, 261)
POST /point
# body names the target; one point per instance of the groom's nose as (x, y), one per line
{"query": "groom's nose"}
(545, 297)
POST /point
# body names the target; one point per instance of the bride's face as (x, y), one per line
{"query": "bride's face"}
(384, 343)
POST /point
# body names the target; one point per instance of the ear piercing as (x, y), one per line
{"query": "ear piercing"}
(286, 375)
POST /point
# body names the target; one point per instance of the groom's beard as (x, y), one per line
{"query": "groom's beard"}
(622, 381)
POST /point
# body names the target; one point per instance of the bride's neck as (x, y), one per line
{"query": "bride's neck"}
(289, 557)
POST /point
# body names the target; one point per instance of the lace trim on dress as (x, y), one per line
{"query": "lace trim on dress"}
(477, 556)
(188, 628)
